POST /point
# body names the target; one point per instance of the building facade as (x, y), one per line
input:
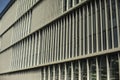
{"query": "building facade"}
(60, 40)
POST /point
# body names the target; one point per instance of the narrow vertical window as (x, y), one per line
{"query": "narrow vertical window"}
(62, 67)
(75, 70)
(70, 3)
(103, 25)
(64, 5)
(76, 2)
(92, 69)
(99, 25)
(51, 72)
(83, 70)
(114, 67)
(109, 24)
(114, 23)
(85, 29)
(94, 26)
(56, 72)
(90, 33)
(102, 68)
(68, 67)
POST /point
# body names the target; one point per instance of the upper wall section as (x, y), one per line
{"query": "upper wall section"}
(8, 18)
(45, 12)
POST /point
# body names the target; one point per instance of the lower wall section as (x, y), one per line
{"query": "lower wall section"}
(106, 67)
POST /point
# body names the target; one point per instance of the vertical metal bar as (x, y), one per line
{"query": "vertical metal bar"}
(73, 33)
(80, 32)
(67, 37)
(55, 51)
(83, 30)
(63, 42)
(76, 33)
(48, 72)
(65, 71)
(101, 25)
(61, 33)
(53, 72)
(39, 48)
(111, 24)
(92, 25)
(117, 16)
(88, 74)
(96, 12)
(108, 69)
(72, 72)
(59, 72)
(88, 23)
(97, 68)
(69, 42)
(79, 66)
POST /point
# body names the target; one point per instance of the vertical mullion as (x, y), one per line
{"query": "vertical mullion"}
(88, 29)
(32, 51)
(42, 43)
(21, 54)
(79, 70)
(108, 69)
(61, 33)
(26, 53)
(69, 42)
(80, 32)
(67, 37)
(49, 72)
(50, 42)
(55, 52)
(73, 33)
(47, 44)
(17, 54)
(96, 12)
(39, 48)
(59, 72)
(63, 42)
(44, 74)
(29, 50)
(15, 57)
(92, 25)
(101, 24)
(58, 44)
(97, 69)
(117, 17)
(43, 53)
(111, 24)
(106, 20)
(17, 61)
(52, 55)
(44, 47)
(53, 72)
(65, 71)
(76, 34)
(83, 30)
(35, 47)
(88, 75)
(72, 72)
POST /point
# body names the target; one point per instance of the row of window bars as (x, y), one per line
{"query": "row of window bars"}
(67, 4)
(105, 67)
(22, 27)
(83, 31)
(24, 5)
